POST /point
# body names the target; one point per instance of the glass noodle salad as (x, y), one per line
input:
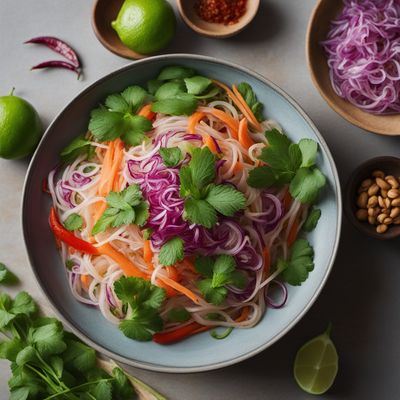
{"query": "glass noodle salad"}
(181, 209)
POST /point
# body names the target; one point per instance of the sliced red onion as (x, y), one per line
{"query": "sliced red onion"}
(363, 48)
(110, 297)
(284, 293)
(80, 180)
(193, 137)
(248, 258)
(216, 144)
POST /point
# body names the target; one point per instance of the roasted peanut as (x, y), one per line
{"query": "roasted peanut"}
(373, 189)
(362, 214)
(396, 202)
(382, 184)
(366, 183)
(372, 201)
(396, 221)
(381, 228)
(395, 212)
(381, 217)
(387, 202)
(393, 194)
(381, 201)
(373, 212)
(392, 181)
(362, 200)
(388, 221)
(378, 174)
(372, 220)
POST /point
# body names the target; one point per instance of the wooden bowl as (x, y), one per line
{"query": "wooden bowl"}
(319, 25)
(103, 13)
(193, 20)
(390, 166)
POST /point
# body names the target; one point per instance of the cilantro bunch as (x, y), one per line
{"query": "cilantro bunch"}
(142, 302)
(47, 362)
(218, 272)
(117, 117)
(123, 208)
(289, 163)
(203, 198)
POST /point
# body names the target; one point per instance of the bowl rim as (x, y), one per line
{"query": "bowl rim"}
(196, 28)
(291, 324)
(332, 104)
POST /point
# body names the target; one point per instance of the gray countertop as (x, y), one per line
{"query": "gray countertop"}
(361, 297)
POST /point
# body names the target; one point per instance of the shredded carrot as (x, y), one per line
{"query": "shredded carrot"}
(85, 280)
(148, 255)
(129, 268)
(210, 144)
(182, 289)
(246, 109)
(238, 167)
(146, 112)
(244, 138)
(267, 260)
(243, 316)
(293, 233)
(287, 201)
(194, 120)
(224, 117)
(240, 103)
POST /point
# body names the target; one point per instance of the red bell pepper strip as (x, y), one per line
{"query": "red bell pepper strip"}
(178, 334)
(68, 237)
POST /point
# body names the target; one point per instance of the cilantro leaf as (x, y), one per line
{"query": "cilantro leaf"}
(6, 276)
(117, 118)
(187, 187)
(48, 339)
(124, 208)
(134, 128)
(309, 149)
(171, 251)
(77, 147)
(171, 156)
(214, 295)
(296, 269)
(122, 388)
(142, 323)
(179, 315)
(169, 90)
(137, 292)
(312, 220)
(26, 355)
(200, 212)
(197, 84)
(10, 348)
(181, 104)
(226, 199)
(219, 272)
(106, 125)
(251, 99)
(102, 391)
(153, 85)
(5, 318)
(202, 166)
(73, 222)
(175, 72)
(79, 356)
(262, 177)
(213, 92)
(306, 184)
(23, 304)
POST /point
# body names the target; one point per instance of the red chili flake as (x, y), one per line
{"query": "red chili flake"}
(227, 12)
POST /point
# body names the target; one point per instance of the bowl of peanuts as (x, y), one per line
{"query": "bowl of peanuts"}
(373, 197)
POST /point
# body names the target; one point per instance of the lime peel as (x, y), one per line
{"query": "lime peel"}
(316, 364)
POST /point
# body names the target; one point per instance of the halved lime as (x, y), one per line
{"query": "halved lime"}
(316, 364)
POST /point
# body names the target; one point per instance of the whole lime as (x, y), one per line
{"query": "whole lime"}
(20, 127)
(145, 26)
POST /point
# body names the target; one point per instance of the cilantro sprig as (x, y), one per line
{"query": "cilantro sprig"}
(203, 198)
(6, 276)
(73, 222)
(117, 117)
(171, 251)
(289, 163)
(300, 263)
(251, 99)
(47, 362)
(218, 272)
(144, 301)
(171, 156)
(123, 208)
(79, 146)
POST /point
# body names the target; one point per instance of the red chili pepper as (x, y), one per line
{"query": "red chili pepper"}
(59, 47)
(58, 64)
(69, 238)
(179, 334)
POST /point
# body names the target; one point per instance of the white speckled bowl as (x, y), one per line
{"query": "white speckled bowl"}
(200, 352)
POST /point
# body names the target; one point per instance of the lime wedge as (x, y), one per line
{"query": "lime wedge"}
(316, 364)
